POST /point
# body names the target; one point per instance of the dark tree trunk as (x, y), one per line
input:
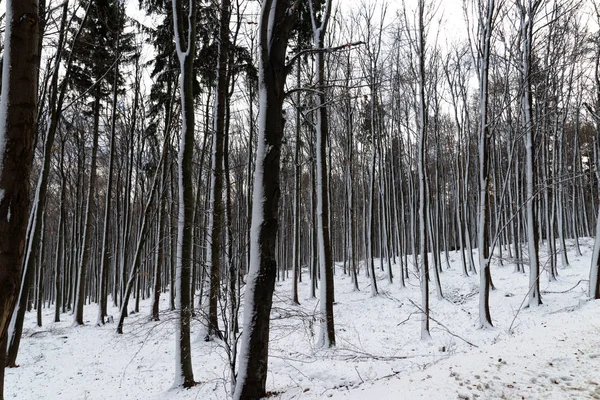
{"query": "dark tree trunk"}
(216, 216)
(185, 42)
(18, 106)
(273, 39)
(87, 226)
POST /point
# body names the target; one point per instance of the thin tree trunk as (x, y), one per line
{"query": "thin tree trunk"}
(527, 20)
(327, 331)
(105, 260)
(423, 207)
(87, 226)
(296, 213)
(185, 35)
(486, 18)
(60, 254)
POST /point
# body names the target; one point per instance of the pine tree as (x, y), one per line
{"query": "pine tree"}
(101, 48)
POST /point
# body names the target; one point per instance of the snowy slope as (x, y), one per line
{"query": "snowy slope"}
(552, 352)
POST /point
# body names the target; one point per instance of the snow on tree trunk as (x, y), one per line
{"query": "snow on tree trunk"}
(527, 20)
(486, 16)
(594, 288)
(422, 129)
(59, 260)
(296, 212)
(214, 247)
(160, 235)
(104, 261)
(327, 331)
(185, 43)
(18, 109)
(87, 226)
(260, 283)
(350, 187)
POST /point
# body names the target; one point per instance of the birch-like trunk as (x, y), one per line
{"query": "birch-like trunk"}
(327, 331)
(527, 20)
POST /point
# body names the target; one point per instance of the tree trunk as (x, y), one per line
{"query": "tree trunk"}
(87, 226)
(527, 20)
(422, 126)
(214, 246)
(104, 262)
(59, 274)
(37, 215)
(18, 114)
(486, 18)
(327, 334)
(273, 39)
(296, 213)
(185, 41)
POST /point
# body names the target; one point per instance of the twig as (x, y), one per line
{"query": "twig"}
(358, 373)
(317, 50)
(406, 320)
(565, 291)
(523, 302)
(444, 326)
(38, 333)
(566, 309)
(367, 355)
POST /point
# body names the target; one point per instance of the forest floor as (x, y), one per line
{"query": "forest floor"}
(550, 352)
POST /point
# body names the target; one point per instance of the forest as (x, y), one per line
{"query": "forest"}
(234, 173)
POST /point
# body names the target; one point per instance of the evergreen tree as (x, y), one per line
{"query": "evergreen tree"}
(102, 47)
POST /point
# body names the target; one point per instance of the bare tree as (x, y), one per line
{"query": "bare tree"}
(184, 22)
(528, 10)
(272, 72)
(18, 115)
(319, 26)
(486, 14)
(214, 246)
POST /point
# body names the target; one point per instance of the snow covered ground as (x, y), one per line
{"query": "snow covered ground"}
(552, 352)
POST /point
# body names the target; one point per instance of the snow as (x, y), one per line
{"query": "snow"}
(594, 263)
(550, 351)
(258, 219)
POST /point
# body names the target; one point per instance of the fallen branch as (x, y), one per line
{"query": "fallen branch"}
(38, 333)
(358, 373)
(444, 326)
(565, 291)
(523, 302)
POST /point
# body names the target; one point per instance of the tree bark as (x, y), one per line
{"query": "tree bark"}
(327, 334)
(185, 36)
(214, 244)
(486, 18)
(272, 72)
(18, 114)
